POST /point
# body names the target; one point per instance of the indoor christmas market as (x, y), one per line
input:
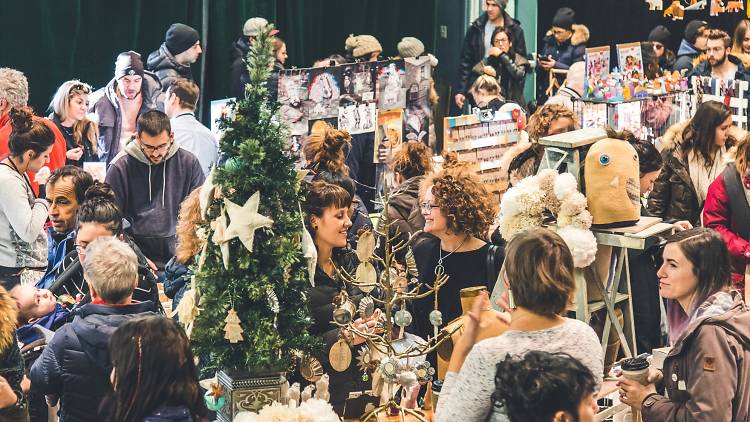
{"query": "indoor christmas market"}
(375, 210)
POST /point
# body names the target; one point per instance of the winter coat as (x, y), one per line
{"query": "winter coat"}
(240, 74)
(704, 69)
(565, 54)
(511, 74)
(667, 60)
(106, 108)
(727, 211)
(166, 67)
(685, 56)
(75, 366)
(472, 51)
(70, 143)
(11, 362)
(58, 246)
(320, 301)
(707, 372)
(150, 195)
(673, 197)
(170, 414)
(176, 280)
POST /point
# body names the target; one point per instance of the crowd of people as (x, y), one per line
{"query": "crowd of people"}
(83, 258)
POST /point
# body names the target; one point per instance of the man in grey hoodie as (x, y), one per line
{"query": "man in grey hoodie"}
(151, 177)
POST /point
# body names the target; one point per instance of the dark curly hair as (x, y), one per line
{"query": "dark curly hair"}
(465, 202)
(413, 159)
(540, 384)
(325, 149)
(28, 132)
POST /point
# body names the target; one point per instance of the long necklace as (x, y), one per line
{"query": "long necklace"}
(439, 269)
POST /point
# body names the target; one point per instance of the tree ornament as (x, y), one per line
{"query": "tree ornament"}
(214, 398)
(310, 368)
(206, 194)
(232, 329)
(340, 356)
(365, 246)
(245, 220)
(366, 307)
(366, 277)
(436, 318)
(402, 318)
(219, 238)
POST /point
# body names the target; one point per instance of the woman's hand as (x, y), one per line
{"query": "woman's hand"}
(494, 51)
(682, 226)
(370, 325)
(8, 397)
(74, 154)
(42, 175)
(460, 98)
(633, 393)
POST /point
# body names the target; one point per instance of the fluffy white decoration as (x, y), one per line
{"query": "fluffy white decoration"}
(246, 417)
(582, 245)
(312, 410)
(315, 410)
(509, 206)
(565, 184)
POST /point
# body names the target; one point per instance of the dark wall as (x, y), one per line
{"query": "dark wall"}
(617, 21)
(55, 40)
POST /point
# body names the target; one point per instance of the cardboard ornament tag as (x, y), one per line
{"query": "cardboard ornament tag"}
(340, 356)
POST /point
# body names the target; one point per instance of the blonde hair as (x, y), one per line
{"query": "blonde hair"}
(188, 243)
(14, 88)
(111, 268)
(64, 94)
(487, 83)
(742, 155)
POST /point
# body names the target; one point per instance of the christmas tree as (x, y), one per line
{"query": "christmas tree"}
(252, 263)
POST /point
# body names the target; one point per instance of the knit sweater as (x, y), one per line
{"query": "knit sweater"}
(23, 242)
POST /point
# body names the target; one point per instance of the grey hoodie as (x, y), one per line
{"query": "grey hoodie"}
(150, 195)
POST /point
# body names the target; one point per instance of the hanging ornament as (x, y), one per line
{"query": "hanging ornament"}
(655, 4)
(411, 263)
(340, 356)
(206, 194)
(424, 372)
(300, 177)
(366, 277)
(389, 369)
(344, 313)
(273, 305)
(365, 246)
(187, 310)
(402, 318)
(220, 226)
(407, 379)
(366, 307)
(366, 360)
(310, 368)
(214, 398)
(245, 220)
(436, 319)
(232, 329)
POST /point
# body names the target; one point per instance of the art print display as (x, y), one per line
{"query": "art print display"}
(324, 90)
(630, 60)
(597, 67)
(292, 92)
(418, 69)
(359, 79)
(417, 112)
(357, 117)
(389, 135)
(219, 109)
(391, 93)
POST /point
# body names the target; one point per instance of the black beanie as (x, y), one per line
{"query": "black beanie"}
(660, 34)
(180, 37)
(564, 18)
(691, 30)
(128, 64)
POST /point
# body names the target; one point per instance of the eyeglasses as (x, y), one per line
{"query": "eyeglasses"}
(149, 148)
(658, 46)
(426, 207)
(501, 41)
(80, 249)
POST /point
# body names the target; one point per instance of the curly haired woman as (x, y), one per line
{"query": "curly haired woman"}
(458, 211)
(176, 272)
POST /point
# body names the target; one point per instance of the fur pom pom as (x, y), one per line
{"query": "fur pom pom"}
(582, 245)
(565, 184)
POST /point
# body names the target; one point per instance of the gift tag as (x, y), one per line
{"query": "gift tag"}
(340, 356)
(366, 277)
(365, 246)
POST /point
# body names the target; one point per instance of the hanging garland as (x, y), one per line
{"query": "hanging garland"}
(677, 8)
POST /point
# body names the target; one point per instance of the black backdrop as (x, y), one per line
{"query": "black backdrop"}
(619, 21)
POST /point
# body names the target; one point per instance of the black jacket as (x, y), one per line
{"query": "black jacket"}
(511, 74)
(472, 51)
(70, 143)
(75, 366)
(166, 68)
(704, 69)
(404, 199)
(106, 108)
(240, 74)
(565, 54)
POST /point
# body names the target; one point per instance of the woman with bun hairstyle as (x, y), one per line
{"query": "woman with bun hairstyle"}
(548, 387)
(154, 378)
(23, 241)
(68, 111)
(99, 215)
(705, 374)
(325, 149)
(486, 90)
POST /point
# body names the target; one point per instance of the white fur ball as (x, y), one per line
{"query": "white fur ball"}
(582, 245)
(565, 184)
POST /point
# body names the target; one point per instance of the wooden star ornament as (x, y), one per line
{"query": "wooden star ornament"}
(245, 220)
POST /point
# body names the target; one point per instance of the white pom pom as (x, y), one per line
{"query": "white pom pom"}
(318, 411)
(246, 416)
(509, 205)
(564, 184)
(582, 245)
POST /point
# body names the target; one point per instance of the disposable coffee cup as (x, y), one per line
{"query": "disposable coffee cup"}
(635, 369)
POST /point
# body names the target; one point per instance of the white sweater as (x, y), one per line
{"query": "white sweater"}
(23, 242)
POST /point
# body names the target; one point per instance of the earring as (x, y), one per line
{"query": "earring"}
(511, 301)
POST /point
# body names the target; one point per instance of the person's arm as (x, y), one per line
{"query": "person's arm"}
(519, 44)
(26, 221)
(660, 196)
(716, 214)
(466, 395)
(517, 73)
(713, 364)
(197, 176)
(465, 64)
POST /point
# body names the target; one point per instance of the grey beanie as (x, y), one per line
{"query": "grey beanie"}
(410, 47)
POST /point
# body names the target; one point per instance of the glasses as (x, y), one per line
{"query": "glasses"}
(426, 207)
(149, 148)
(658, 46)
(80, 249)
(501, 41)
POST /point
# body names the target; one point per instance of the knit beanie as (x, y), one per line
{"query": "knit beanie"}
(180, 37)
(128, 64)
(410, 47)
(362, 45)
(502, 3)
(692, 29)
(564, 18)
(660, 34)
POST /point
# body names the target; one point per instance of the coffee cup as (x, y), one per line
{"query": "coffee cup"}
(636, 369)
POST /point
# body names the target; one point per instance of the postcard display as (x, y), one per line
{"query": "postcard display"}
(730, 92)
(389, 98)
(482, 139)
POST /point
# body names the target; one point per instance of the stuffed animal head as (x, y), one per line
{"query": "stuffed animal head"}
(612, 183)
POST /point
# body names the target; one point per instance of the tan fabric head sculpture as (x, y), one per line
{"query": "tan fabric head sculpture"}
(612, 184)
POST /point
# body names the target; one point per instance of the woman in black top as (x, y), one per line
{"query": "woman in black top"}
(68, 110)
(458, 211)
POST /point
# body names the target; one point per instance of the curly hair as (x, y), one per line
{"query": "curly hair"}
(189, 217)
(413, 159)
(542, 119)
(465, 202)
(325, 149)
(14, 88)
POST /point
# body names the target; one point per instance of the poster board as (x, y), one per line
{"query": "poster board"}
(730, 92)
(630, 60)
(597, 66)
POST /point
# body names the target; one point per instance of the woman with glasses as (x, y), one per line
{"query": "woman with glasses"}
(68, 111)
(510, 68)
(458, 211)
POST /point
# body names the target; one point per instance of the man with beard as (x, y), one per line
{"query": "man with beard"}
(66, 189)
(720, 64)
(180, 49)
(117, 106)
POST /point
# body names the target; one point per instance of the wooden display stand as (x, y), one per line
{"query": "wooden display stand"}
(568, 150)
